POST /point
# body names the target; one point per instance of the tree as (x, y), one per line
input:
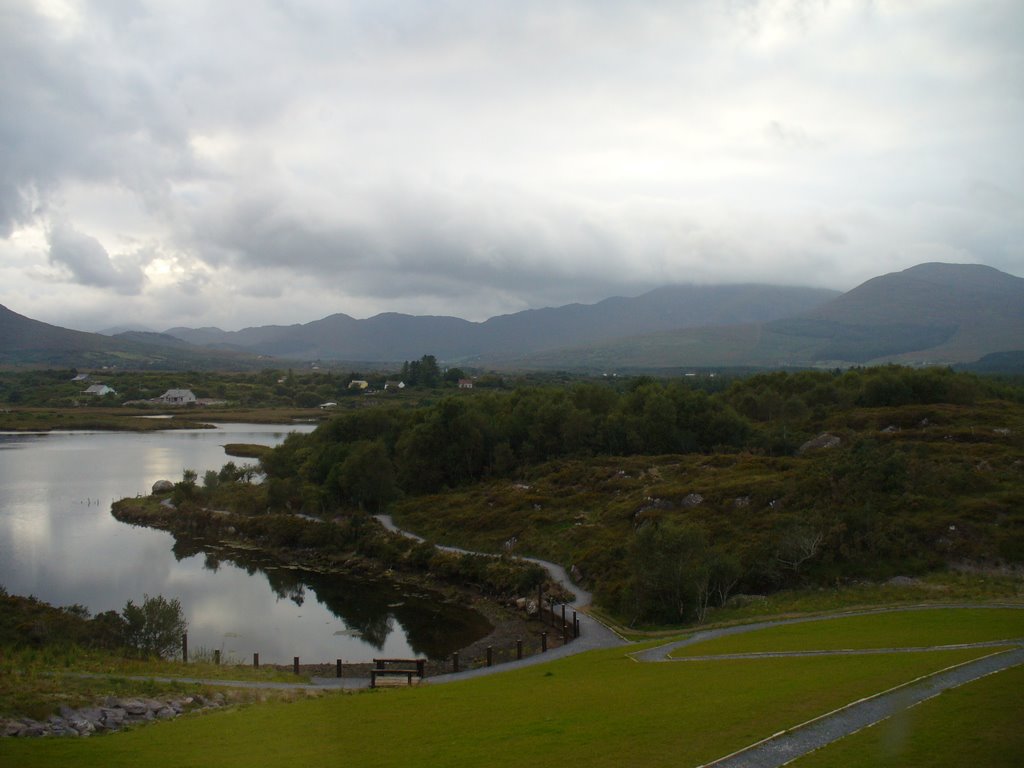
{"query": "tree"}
(367, 476)
(671, 571)
(155, 627)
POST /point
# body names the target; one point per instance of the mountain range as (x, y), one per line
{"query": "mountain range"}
(931, 313)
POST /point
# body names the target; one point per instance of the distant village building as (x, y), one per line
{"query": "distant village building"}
(465, 383)
(394, 385)
(177, 397)
(325, 406)
(100, 390)
(358, 384)
(81, 377)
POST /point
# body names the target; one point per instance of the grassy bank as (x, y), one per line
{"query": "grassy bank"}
(600, 708)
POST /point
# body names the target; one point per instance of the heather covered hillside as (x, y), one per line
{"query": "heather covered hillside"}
(779, 480)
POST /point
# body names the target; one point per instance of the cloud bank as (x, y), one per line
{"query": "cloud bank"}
(240, 163)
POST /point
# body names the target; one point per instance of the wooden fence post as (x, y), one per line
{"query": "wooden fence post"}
(519, 648)
(216, 657)
(543, 642)
(338, 669)
(575, 625)
(184, 648)
(295, 665)
(455, 662)
(256, 661)
(490, 656)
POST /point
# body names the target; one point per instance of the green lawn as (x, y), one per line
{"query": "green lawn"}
(977, 724)
(601, 708)
(896, 629)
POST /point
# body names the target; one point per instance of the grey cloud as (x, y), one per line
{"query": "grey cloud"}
(395, 155)
(73, 110)
(88, 262)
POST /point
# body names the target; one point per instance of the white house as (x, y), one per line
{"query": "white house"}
(99, 390)
(358, 384)
(177, 397)
(394, 385)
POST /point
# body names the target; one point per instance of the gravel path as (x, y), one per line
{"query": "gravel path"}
(777, 749)
(593, 634)
(786, 746)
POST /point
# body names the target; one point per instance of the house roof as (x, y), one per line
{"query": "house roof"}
(177, 393)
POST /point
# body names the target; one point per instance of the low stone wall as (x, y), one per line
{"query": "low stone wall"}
(112, 714)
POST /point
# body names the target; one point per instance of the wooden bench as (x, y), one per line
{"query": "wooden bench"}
(418, 664)
(408, 668)
(390, 674)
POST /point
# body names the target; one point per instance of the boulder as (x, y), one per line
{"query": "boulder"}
(163, 486)
(822, 442)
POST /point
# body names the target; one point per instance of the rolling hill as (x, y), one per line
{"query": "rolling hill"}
(24, 341)
(394, 337)
(932, 313)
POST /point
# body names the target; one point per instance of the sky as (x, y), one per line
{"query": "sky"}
(251, 162)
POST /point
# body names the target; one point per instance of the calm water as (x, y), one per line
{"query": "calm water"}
(59, 542)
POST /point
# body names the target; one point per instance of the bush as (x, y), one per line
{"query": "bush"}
(154, 628)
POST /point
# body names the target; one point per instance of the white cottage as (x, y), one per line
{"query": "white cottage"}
(177, 397)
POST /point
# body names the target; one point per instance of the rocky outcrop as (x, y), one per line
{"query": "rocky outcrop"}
(163, 486)
(822, 442)
(111, 714)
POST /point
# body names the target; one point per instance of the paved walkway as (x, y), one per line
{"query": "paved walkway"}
(786, 746)
(776, 750)
(593, 633)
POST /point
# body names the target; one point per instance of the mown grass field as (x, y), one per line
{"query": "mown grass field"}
(902, 629)
(596, 709)
(978, 724)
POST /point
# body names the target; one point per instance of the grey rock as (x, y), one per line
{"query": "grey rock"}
(822, 442)
(163, 486)
(134, 707)
(12, 728)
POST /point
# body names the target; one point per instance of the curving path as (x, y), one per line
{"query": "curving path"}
(783, 747)
(593, 634)
(776, 750)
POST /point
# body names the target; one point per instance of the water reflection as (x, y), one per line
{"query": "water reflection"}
(382, 615)
(59, 542)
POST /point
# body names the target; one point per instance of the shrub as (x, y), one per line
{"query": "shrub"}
(155, 627)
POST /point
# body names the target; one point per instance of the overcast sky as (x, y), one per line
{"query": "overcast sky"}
(249, 162)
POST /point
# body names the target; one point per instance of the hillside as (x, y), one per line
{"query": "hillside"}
(936, 312)
(931, 313)
(24, 341)
(392, 336)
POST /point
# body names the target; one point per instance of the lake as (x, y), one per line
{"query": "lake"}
(59, 542)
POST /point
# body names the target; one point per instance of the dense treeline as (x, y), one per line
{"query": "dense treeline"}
(369, 458)
(664, 547)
